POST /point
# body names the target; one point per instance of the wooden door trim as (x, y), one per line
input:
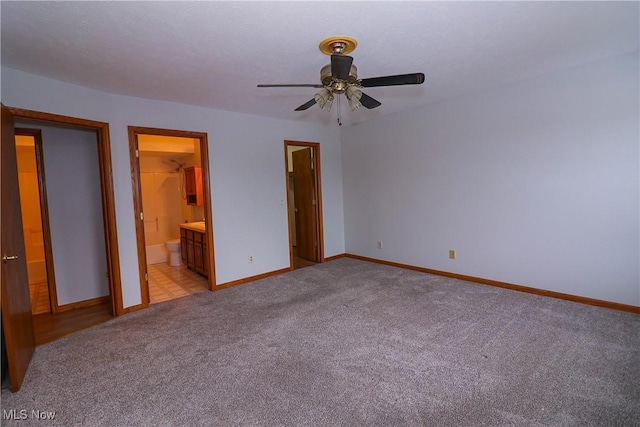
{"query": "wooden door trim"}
(134, 131)
(44, 216)
(82, 304)
(318, 188)
(106, 186)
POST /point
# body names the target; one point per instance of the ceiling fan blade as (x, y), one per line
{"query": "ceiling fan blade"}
(306, 105)
(293, 85)
(369, 102)
(340, 66)
(400, 79)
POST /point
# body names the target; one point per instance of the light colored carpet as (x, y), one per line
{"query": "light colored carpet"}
(345, 343)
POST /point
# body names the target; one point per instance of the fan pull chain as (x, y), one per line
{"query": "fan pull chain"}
(339, 119)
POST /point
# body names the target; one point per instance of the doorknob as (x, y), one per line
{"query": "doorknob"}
(6, 257)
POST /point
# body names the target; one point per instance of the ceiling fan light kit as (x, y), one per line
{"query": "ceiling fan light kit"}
(341, 77)
(353, 95)
(324, 99)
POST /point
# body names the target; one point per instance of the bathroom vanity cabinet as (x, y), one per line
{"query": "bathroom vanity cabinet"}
(193, 247)
(193, 185)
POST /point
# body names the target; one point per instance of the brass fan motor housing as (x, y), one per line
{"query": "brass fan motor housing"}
(337, 45)
(328, 80)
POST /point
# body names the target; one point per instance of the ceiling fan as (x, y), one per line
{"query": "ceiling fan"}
(341, 77)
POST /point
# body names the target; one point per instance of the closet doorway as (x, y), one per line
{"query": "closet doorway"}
(304, 202)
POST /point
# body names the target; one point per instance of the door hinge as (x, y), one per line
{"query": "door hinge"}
(313, 202)
(137, 153)
(315, 243)
(141, 216)
(146, 277)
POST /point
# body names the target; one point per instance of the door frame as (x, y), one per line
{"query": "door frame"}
(134, 131)
(107, 194)
(318, 189)
(36, 134)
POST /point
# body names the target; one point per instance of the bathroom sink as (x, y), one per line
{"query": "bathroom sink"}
(198, 225)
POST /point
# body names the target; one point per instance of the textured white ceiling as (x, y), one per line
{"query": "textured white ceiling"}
(215, 53)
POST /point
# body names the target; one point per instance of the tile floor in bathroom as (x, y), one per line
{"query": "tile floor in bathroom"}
(167, 283)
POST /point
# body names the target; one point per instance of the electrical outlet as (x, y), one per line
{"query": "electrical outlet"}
(379, 244)
(452, 254)
(250, 259)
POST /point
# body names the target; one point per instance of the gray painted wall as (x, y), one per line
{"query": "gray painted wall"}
(534, 184)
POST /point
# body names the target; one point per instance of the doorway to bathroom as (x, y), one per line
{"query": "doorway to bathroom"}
(304, 201)
(170, 171)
